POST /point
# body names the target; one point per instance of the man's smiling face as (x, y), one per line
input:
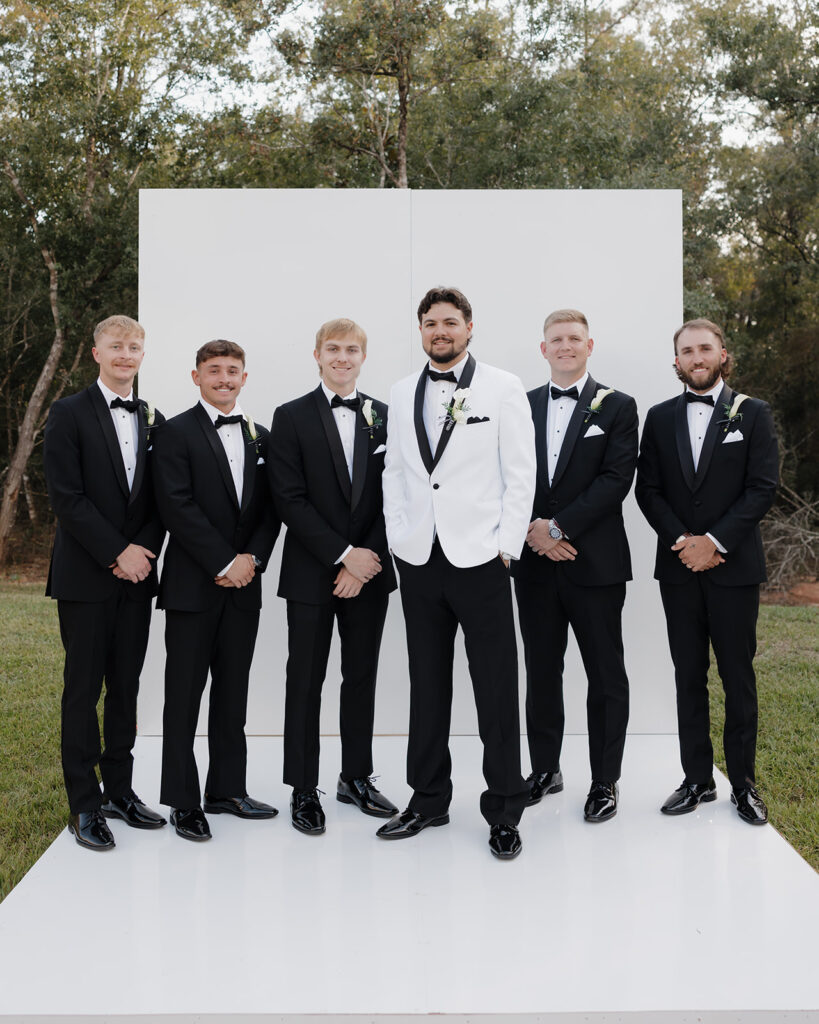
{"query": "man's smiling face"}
(700, 358)
(220, 380)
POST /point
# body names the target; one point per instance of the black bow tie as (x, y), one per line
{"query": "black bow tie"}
(129, 404)
(691, 397)
(348, 403)
(437, 375)
(223, 421)
(568, 393)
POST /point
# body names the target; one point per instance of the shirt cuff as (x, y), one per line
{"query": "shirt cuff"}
(344, 554)
(226, 569)
(720, 548)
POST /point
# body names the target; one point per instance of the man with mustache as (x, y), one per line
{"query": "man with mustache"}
(707, 473)
(458, 483)
(103, 577)
(212, 492)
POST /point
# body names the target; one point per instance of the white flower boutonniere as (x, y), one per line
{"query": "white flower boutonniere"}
(594, 405)
(150, 414)
(732, 413)
(251, 433)
(371, 417)
(456, 408)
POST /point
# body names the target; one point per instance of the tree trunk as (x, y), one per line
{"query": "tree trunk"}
(28, 429)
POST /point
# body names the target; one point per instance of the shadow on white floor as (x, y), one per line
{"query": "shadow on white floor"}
(643, 918)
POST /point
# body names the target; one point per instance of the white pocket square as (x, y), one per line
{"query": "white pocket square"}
(593, 431)
(381, 448)
(735, 435)
(260, 461)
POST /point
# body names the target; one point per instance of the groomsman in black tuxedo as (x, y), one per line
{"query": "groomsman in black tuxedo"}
(211, 488)
(576, 561)
(707, 473)
(458, 486)
(103, 577)
(325, 464)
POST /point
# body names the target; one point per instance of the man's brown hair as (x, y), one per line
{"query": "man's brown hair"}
(220, 347)
(442, 294)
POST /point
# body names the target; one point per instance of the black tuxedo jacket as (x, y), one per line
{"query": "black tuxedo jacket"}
(592, 477)
(97, 516)
(323, 510)
(732, 489)
(197, 502)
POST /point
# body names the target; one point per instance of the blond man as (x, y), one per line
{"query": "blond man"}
(326, 459)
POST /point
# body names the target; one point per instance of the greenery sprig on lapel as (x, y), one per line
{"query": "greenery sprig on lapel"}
(150, 419)
(733, 417)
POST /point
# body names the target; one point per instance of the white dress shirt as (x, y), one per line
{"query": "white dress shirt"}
(234, 444)
(127, 428)
(699, 418)
(345, 422)
(558, 413)
(437, 397)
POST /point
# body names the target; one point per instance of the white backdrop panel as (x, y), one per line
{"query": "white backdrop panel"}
(266, 267)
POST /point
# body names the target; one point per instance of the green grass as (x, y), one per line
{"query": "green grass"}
(32, 800)
(787, 670)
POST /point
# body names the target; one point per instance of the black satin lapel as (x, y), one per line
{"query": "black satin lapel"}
(328, 422)
(212, 435)
(711, 434)
(576, 421)
(684, 441)
(420, 429)
(464, 381)
(539, 412)
(142, 448)
(109, 432)
(249, 472)
(361, 452)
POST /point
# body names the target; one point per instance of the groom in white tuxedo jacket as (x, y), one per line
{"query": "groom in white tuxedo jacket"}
(458, 483)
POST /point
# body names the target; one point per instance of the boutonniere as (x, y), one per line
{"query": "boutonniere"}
(456, 408)
(594, 405)
(250, 432)
(732, 414)
(150, 419)
(371, 417)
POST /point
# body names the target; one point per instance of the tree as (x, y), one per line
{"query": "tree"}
(90, 98)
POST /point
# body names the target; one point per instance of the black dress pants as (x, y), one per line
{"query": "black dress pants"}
(545, 611)
(221, 640)
(438, 597)
(310, 630)
(697, 612)
(102, 640)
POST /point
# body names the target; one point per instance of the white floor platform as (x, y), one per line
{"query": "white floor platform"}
(645, 918)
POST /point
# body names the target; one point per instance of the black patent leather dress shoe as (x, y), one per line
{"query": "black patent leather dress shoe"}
(90, 830)
(408, 823)
(242, 806)
(191, 823)
(366, 797)
(750, 805)
(504, 841)
(132, 811)
(542, 783)
(689, 796)
(306, 812)
(601, 803)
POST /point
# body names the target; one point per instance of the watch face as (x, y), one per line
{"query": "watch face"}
(555, 532)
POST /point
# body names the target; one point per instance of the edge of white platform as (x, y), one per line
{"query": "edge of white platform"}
(577, 1017)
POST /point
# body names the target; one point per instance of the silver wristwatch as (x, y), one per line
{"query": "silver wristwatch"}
(554, 530)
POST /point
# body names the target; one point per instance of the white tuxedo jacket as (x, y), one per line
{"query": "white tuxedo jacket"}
(476, 490)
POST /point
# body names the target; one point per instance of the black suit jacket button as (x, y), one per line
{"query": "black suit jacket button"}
(435, 487)
(697, 503)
